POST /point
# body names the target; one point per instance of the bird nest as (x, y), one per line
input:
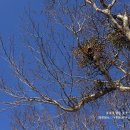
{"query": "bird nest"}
(119, 40)
(88, 52)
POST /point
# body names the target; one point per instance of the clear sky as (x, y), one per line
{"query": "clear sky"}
(10, 11)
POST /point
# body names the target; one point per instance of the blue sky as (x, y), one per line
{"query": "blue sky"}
(10, 13)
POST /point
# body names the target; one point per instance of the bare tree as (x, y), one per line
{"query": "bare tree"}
(76, 57)
(33, 119)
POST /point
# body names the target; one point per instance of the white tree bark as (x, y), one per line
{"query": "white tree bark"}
(125, 27)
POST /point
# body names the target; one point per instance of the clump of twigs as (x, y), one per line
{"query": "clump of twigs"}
(118, 39)
(88, 52)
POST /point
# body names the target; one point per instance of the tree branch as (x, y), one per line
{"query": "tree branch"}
(107, 11)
